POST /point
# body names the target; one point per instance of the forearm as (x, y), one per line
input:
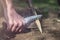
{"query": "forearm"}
(7, 6)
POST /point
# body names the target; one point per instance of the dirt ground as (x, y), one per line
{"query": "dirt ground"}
(51, 31)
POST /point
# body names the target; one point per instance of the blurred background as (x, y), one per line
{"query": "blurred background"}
(43, 6)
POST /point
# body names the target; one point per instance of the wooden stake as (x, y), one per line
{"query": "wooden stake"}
(38, 23)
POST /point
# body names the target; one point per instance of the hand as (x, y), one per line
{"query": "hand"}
(14, 21)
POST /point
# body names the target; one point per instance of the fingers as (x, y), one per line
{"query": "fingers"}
(14, 27)
(19, 27)
(9, 26)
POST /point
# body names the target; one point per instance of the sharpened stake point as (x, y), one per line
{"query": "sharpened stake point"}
(39, 25)
(38, 22)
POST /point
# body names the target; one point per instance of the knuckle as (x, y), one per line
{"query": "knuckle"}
(20, 23)
(15, 23)
(10, 23)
